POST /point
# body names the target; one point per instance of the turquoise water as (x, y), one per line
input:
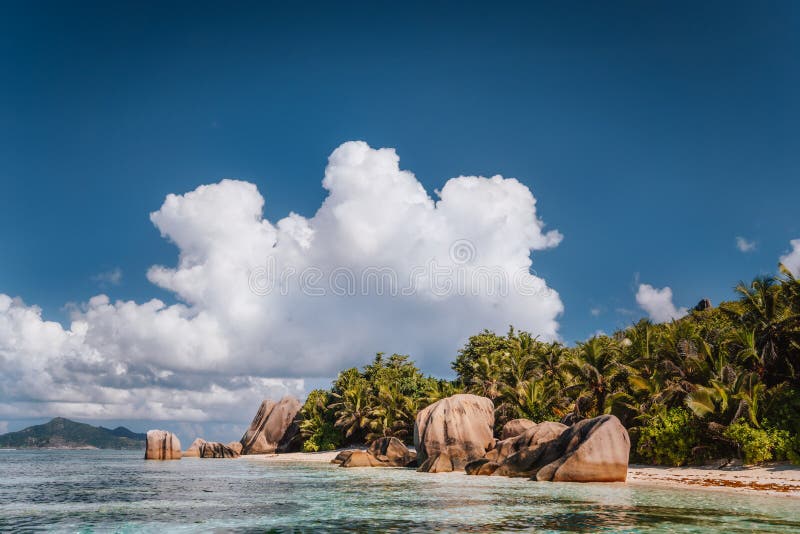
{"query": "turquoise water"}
(113, 491)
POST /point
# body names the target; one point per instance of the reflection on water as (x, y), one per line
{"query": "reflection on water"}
(97, 491)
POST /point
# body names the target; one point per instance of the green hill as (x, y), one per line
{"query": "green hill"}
(62, 432)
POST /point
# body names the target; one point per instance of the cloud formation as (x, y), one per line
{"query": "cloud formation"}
(658, 303)
(745, 245)
(381, 266)
(791, 260)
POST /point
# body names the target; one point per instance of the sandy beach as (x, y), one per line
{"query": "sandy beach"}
(324, 456)
(778, 479)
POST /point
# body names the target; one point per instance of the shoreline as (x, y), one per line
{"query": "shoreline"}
(780, 479)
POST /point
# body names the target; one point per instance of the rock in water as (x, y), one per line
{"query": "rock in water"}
(452, 432)
(392, 452)
(383, 452)
(272, 428)
(194, 449)
(358, 458)
(515, 427)
(213, 449)
(592, 450)
(343, 456)
(235, 446)
(162, 445)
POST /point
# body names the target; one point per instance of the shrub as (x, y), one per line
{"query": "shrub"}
(668, 438)
(758, 445)
(317, 423)
(325, 438)
(793, 449)
(783, 409)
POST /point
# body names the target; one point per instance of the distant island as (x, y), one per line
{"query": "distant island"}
(65, 434)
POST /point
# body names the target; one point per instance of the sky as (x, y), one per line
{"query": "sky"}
(645, 156)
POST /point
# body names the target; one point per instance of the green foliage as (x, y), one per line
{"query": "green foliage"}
(317, 426)
(759, 444)
(783, 409)
(362, 405)
(324, 438)
(668, 438)
(596, 372)
(792, 449)
(483, 346)
(717, 382)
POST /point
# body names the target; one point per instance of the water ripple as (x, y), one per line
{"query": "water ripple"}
(117, 491)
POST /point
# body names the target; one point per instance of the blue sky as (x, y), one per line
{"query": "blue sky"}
(651, 134)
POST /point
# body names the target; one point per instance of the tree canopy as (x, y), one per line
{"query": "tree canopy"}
(719, 382)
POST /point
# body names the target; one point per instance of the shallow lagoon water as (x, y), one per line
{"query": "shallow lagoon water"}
(117, 491)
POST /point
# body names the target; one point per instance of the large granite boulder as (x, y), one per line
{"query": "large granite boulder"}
(383, 452)
(592, 450)
(392, 452)
(343, 456)
(235, 446)
(481, 466)
(273, 427)
(452, 432)
(515, 427)
(162, 445)
(214, 449)
(194, 449)
(703, 305)
(359, 458)
(534, 436)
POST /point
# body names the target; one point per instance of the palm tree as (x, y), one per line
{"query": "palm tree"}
(353, 408)
(438, 390)
(651, 393)
(594, 369)
(393, 414)
(537, 400)
(549, 361)
(764, 309)
(487, 376)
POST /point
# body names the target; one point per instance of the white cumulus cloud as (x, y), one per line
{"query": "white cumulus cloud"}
(791, 260)
(262, 305)
(658, 303)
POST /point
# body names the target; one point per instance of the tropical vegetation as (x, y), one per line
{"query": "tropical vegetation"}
(721, 382)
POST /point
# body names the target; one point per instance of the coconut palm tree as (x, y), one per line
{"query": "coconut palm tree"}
(393, 415)
(537, 400)
(594, 369)
(764, 309)
(487, 376)
(353, 408)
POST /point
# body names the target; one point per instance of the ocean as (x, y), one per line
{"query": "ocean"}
(117, 491)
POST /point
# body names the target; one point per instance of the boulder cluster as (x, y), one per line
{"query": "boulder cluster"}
(272, 430)
(592, 450)
(383, 452)
(201, 448)
(456, 434)
(452, 434)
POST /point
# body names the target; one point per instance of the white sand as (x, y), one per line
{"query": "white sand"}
(324, 456)
(778, 479)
